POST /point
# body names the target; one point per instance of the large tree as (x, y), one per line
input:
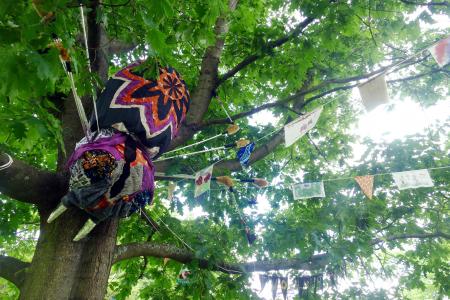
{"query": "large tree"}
(285, 56)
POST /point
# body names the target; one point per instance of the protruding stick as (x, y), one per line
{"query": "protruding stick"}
(87, 227)
(56, 213)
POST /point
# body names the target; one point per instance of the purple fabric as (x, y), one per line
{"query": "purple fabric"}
(107, 144)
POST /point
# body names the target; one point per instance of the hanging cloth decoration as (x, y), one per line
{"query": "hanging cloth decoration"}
(170, 190)
(263, 278)
(412, 179)
(183, 277)
(151, 109)
(244, 154)
(166, 260)
(374, 92)
(203, 181)
(274, 286)
(294, 130)
(109, 176)
(441, 52)
(308, 190)
(284, 286)
(366, 184)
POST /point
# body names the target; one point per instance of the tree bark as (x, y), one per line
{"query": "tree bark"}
(61, 268)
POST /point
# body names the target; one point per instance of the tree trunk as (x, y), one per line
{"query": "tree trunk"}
(62, 269)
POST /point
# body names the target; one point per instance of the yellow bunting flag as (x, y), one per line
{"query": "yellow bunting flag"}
(166, 260)
(366, 184)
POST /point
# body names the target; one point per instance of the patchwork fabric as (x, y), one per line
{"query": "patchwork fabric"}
(97, 166)
(152, 110)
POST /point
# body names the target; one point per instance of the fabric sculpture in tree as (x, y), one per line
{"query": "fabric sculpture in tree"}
(112, 174)
(152, 110)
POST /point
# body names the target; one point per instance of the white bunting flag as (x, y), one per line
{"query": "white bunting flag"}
(374, 92)
(412, 179)
(300, 126)
(308, 190)
(170, 189)
(274, 286)
(263, 278)
(441, 52)
(203, 181)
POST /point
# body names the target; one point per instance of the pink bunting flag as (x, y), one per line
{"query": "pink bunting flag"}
(374, 92)
(441, 52)
(366, 184)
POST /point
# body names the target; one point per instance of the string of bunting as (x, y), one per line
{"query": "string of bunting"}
(404, 180)
(303, 283)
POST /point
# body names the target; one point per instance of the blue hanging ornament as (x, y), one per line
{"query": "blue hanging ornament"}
(244, 154)
(252, 202)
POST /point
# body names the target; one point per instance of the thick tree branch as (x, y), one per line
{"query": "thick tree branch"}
(12, 269)
(405, 236)
(185, 256)
(207, 80)
(270, 45)
(443, 3)
(28, 184)
(284, 101)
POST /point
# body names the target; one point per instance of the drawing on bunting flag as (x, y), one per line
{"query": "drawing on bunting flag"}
(441, 52)
(374, 92)
(308, 190)
(412, 179)
(203, 181)
(294, 130)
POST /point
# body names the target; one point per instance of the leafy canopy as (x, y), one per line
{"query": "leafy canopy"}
(347, 38)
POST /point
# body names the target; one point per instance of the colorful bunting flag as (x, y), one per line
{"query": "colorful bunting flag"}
(274, 286)
(300, 126)
(366, 184)
(244, 154)
(412, 179)
(183, 277)
(284, 286)
(170, 189)
(374, 92)
(308, 190)
(263, 278)
(203, 181)
(441, 52)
